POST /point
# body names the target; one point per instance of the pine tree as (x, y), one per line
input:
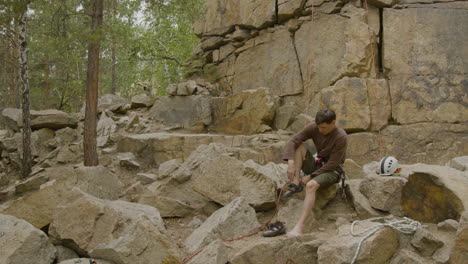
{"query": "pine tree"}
(90, 124)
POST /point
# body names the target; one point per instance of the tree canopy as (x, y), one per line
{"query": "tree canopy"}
(144, 44)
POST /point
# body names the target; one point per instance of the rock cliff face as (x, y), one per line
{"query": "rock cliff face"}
(395, 66)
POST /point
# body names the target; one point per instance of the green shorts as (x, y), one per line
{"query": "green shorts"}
(309, 166)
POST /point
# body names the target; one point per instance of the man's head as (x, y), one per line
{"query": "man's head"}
(325, 120)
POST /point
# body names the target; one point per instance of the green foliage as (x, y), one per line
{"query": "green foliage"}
(151, 40)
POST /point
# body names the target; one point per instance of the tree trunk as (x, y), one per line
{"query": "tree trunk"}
(16, 91)
(114, 53)
(24, 81)
(6, 54)
(90, 124)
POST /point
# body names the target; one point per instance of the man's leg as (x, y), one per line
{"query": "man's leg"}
(309, 203)
(299, 157)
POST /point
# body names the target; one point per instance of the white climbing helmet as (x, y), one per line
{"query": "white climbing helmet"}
(388, 166)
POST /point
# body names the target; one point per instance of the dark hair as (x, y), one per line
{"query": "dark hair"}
(325, 116)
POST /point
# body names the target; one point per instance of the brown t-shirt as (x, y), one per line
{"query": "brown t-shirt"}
(331, 146)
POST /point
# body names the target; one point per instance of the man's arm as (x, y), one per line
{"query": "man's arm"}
(296, 141)
(336, 156)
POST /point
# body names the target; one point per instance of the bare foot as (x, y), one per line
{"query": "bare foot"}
(294, 233)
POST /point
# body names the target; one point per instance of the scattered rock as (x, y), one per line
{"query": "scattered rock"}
(196, 222)
(384, 193)
(459, 163)
(146, 178)
(12, 118)
(64, 253)
(234, 220)
(448, 225)
(425, 242)
(141, 100)
(22, 243)
(52, 119)
(167, 168)
(128, 160)
(31, 184)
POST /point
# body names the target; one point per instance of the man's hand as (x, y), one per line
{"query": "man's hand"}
(291, 170)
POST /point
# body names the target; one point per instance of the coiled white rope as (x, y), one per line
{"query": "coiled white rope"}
(406, 226)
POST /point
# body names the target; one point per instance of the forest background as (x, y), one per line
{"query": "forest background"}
(144, 46)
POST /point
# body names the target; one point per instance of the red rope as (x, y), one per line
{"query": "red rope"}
(251, 234)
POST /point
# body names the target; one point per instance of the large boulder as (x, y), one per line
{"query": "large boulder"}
(435, 193)
(377, 248)
(360, 202)
(224, 178)
(384, 193)
(118, 231)
(301, 249)
(182, 111)
(460, 250)
(38, 207)
(234, 220)
(248, 112)
(53, 119)
(22, 243)
(421, 56)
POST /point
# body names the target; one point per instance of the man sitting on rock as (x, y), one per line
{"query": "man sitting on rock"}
(330, 142)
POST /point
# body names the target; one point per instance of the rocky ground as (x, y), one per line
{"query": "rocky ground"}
(162, 193)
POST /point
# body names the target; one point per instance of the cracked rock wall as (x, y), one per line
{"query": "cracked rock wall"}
(384, 65)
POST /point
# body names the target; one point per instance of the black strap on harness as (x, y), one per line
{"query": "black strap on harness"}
(343, 185)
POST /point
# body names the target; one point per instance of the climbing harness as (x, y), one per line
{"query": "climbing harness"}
(406, 226)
